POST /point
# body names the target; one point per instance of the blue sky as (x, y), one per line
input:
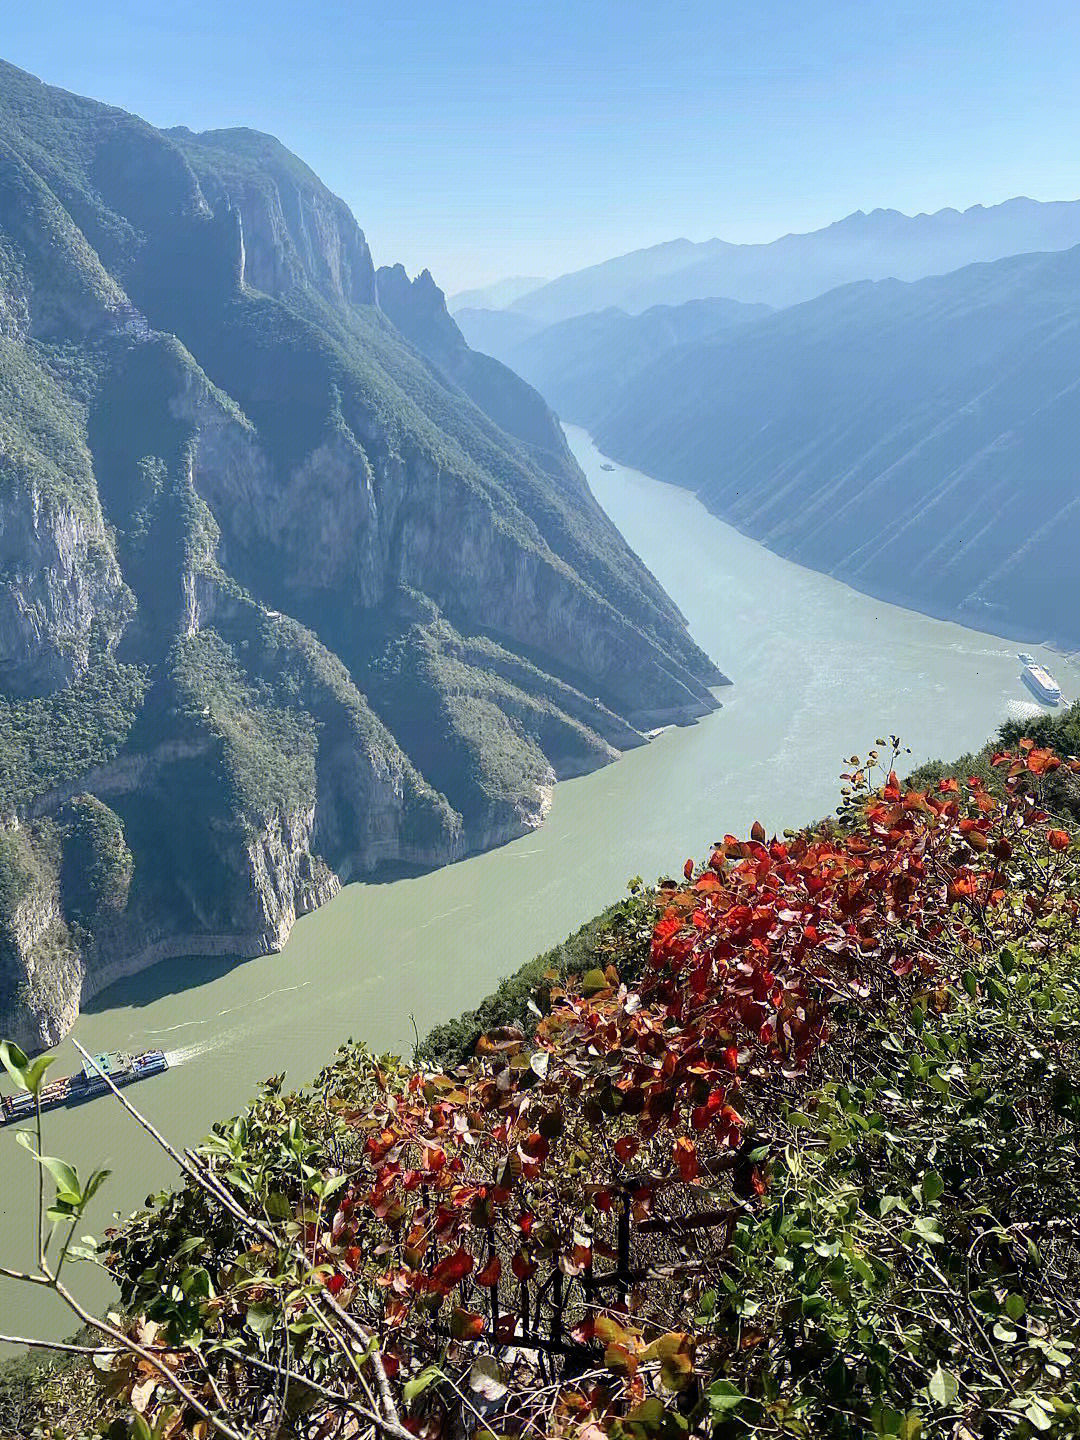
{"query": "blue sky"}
(484, 140)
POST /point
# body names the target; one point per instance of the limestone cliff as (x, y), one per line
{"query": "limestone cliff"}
(294, 588)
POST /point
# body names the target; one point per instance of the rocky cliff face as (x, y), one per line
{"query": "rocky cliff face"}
(59, 583)
(294, 588)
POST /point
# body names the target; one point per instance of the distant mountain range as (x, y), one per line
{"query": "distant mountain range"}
(874, 246)
(918, 440)
(581, 365)
(294, 586)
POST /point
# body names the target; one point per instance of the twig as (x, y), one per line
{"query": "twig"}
(388, 1426)
(204, 1177)
(61, 1345)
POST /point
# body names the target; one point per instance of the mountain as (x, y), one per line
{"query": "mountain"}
(880, 245)
(493, 297)
(918, 441)
(293, 586)
(581, 365)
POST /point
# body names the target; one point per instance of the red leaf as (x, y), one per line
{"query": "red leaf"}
(489, 1275)
(757, 832)
(684, 1154)
(450, 1271)
(1059, 839)
(688, 869)
(522, 1266)
(627, 1147)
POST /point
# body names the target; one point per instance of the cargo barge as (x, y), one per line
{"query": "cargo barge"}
(87, 1083)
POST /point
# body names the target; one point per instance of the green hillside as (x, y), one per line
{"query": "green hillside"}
(264, 539)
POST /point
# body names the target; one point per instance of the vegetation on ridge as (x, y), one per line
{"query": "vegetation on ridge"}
(799, 1160)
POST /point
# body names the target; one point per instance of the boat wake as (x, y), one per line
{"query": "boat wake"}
(193, 1052)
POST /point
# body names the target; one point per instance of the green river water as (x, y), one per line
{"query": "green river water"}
(819, 671)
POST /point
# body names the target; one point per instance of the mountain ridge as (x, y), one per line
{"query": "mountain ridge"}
(797, 266)
(914, 439)
(236, 505)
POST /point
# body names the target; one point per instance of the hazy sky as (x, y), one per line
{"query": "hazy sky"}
(484, 140)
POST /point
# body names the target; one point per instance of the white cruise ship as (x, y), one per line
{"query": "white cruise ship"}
(1040, 680)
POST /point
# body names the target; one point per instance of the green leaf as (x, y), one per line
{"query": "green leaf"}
(487, 1378)
(260, 1319)
(94, 1184)
(933, 1187)
(928, 1229)
(943, 1387)
(1014, 1306)
(416, 1386)
(14, 1062)
(278, 1206)
(1037, 1416)
(188, 1246)
(67, 1182)
(723, 1395)
(36, 1074)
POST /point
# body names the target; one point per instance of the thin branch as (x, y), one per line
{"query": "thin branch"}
(389, 1427)
(25, 1276)
(63, 1346)
(202, 1175)
(133, 1347)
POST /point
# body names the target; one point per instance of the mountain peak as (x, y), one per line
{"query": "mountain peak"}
(884, 243)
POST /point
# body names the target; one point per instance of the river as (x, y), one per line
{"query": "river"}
(819, 670)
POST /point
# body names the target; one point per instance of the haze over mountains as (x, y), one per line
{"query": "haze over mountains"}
(295, 587)
(916, 438)
(499, 293)
(582, 365)
(874, 246)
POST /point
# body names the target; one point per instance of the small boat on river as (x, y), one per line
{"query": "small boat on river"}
(87, 1083)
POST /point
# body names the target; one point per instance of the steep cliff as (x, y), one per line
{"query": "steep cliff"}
(294, 587)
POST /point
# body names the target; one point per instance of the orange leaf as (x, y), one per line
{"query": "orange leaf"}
(684, 1154)
(465, 1325)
